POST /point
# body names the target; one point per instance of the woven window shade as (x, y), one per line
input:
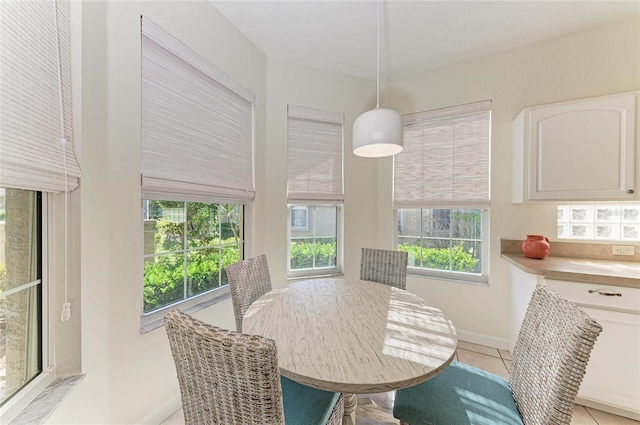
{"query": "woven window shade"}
(314, 155)
(31, 155)
(197, 125)
(445, 162)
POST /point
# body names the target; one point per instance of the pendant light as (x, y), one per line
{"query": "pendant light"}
(378, 132)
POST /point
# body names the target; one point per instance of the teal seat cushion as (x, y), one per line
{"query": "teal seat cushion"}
(460, 395)
(305, 405)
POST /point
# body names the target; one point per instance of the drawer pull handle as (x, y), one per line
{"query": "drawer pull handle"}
(606, 294)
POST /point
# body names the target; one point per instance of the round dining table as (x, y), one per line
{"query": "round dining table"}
(353, 336)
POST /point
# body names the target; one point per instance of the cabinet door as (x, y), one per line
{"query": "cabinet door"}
(613, 372)
(583, 150)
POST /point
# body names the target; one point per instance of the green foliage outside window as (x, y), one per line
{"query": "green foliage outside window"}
(303, 251)
(460, 259)
(164, 279)
(213, 242)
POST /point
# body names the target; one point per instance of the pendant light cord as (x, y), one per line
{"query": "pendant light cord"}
(66, 307)
(378, 70)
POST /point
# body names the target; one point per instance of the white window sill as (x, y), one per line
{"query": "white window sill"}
(158, 323)
(47, 401)
(315, 276)
(451, 277)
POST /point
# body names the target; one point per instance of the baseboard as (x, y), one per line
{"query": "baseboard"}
(162, 412)
(476, 338)
(607, 408)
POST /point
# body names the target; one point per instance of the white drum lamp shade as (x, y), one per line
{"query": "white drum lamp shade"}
(378, 133)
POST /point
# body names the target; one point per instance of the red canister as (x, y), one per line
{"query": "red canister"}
(535, 246)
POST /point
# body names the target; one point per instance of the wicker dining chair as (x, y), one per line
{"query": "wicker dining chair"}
(248, 281)
(549, 362)
(384, 266)
(227, 377)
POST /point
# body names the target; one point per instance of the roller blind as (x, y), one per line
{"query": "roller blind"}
(445, 162)
(197, 125)
(35, 54)
(314, 155)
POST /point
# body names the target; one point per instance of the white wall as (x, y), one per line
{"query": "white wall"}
(130, 376)
(592, 63)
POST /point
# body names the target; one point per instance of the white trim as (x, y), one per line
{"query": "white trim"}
(146, 319)
(460, 277)
(39, 383)
(608, 408)
(162, 412)
(48, 270)
(19, 288)
(482, 339)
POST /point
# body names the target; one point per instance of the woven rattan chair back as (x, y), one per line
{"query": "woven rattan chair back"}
(550, 358)
(225, 377)
(248, 281)
(384, 266)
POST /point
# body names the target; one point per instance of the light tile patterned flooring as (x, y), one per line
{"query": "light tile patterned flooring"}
(486, 358)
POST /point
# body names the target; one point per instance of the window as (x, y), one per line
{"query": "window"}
(22, 357)
(314, 250)
(442, 240)
(187, 246)
(314, 191)
(197, 173)
(599, 222)
(441, 192)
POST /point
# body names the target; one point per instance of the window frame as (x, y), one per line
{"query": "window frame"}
(21, 399)
(154, 319)
(482, 278)
(322, 271)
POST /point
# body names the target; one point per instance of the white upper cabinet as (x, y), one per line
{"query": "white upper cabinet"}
(583, 150)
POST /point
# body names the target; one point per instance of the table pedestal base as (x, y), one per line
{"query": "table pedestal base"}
(367, 408)
(350, 406)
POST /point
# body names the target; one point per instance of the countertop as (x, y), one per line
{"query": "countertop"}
(603, 272)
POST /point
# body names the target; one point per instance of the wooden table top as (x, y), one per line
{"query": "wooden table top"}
(353, 336)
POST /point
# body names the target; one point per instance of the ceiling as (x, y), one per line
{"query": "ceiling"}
(340, 36)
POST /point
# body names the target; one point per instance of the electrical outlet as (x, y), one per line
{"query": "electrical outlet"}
(623, 250)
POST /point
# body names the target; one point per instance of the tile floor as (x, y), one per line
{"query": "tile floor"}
(486, 358)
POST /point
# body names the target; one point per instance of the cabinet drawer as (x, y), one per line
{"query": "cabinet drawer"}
(598, 296)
